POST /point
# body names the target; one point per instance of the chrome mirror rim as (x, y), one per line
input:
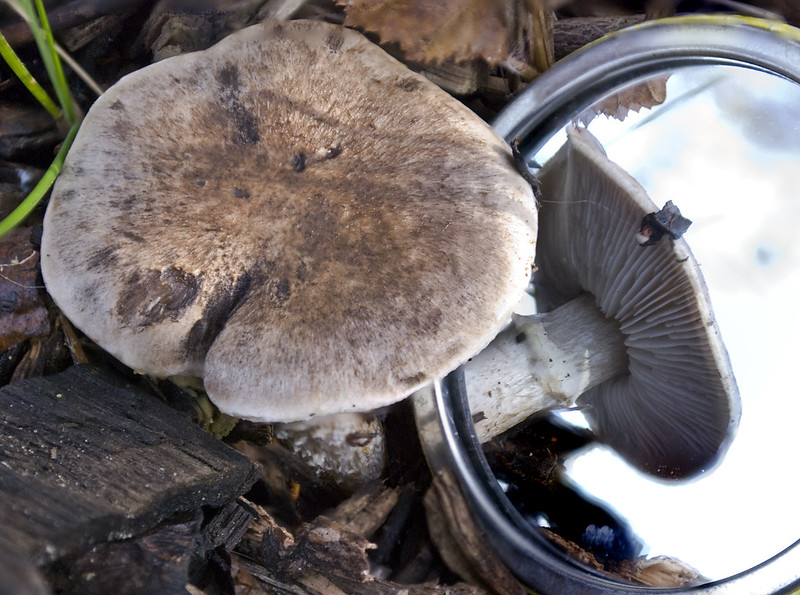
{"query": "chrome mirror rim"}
(544, 107)
(641, 51)
(449, 441)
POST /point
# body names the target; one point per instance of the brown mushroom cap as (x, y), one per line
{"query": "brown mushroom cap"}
(292, 215)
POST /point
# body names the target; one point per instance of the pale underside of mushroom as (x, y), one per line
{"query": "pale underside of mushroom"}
(630, 336)
(293, 216)
(346, 448)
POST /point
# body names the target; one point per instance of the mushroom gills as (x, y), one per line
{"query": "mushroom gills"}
(674, 409)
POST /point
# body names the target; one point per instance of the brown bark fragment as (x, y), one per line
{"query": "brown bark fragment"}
(23, 314)
(461, 542)
(366, 511)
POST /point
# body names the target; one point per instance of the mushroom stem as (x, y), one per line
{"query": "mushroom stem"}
(540, 362)
(348, 449)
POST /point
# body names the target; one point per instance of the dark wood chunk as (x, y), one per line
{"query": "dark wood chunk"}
(157, 562)
(86, 457)
(18, 575)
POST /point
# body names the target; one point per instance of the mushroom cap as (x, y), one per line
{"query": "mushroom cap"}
(676, 410)
(293, 216)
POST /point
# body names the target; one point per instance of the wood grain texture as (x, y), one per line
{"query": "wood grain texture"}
(86, 457)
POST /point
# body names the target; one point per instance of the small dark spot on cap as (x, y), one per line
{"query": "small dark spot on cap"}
(298, 162)
(409, 84)
(132, 236)
(520, 338)
(240, 193)
(117, 105)
(228, 78)
(281, 291)
(246, 127)
(245, 123)
(68, 195)
(479, 416)
(104, 257)
(411, 380)
(301, 271)
(156, 295)
(334, 42)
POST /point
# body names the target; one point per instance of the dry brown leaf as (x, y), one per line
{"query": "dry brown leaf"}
(23, 314)
(646, 94)
(457, 30)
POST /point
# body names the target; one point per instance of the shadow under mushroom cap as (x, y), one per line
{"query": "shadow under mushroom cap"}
(292, 215)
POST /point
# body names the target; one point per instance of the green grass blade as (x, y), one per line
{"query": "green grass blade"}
(27, 79)
(43, 35)
(57, 77)
(29, 204)
(46, 51)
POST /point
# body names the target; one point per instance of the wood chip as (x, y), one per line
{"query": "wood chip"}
(461, 543)
(124, 461)
(367, 510)
(23, 314)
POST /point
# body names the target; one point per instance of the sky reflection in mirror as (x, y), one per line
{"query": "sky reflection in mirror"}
(725, 147)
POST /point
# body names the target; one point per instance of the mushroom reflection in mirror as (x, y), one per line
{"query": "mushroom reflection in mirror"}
(629, 334)
(676, 409)
(295, 217)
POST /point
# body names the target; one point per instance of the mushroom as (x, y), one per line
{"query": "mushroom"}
(294, 217)
(630, 336)
(348, 449)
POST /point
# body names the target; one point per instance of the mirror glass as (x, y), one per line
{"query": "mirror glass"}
(722, 143)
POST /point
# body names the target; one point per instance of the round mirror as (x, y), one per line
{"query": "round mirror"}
(725, 147)
(702, 114)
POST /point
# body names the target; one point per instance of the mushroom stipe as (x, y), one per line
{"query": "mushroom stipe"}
(305, 244)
